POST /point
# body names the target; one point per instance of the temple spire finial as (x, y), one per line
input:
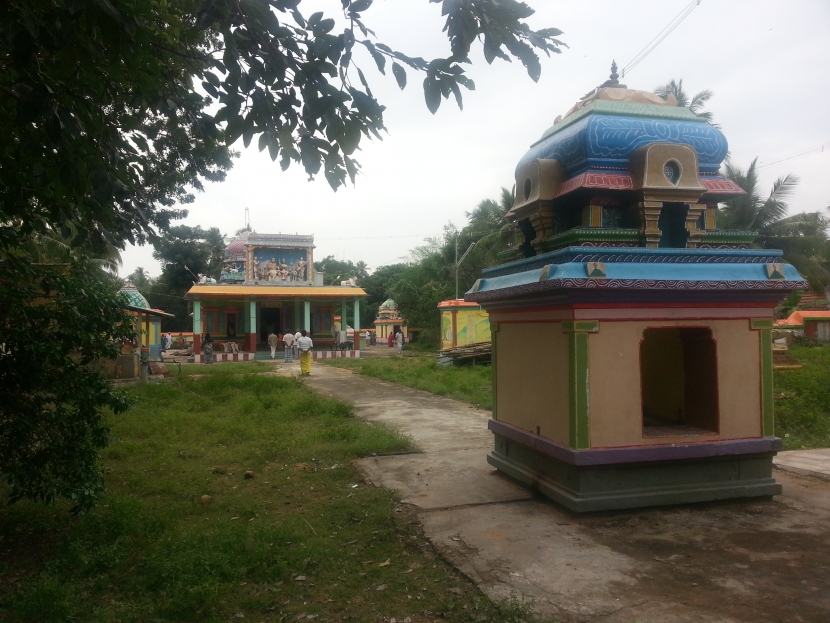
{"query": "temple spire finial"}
(613, 81)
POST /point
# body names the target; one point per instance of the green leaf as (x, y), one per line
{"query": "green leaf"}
(432, 94)
(400, 75)
(248, 130)
(234, 129)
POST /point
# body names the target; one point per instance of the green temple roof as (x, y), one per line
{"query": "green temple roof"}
(134, 297)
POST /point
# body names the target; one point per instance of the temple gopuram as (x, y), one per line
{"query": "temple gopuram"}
(631, 337)
(269, 284)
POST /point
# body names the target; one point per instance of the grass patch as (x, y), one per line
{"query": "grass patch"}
(802, 400)
(224, 369)
(473, 384)
(299, 541)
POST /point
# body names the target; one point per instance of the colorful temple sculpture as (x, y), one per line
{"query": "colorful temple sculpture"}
(632, 338)
(269, 284)
(389, 320)
(463, 323)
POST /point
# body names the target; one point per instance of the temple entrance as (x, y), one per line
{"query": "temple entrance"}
(679, 382)
(270, 322)
(231, 328)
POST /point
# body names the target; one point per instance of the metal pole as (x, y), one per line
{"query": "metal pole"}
(456, 266)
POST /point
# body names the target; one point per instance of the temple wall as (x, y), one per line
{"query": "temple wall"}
(614, 382)
(532, 378)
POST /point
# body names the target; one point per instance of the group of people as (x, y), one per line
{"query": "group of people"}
(297, 344)
(396, 339)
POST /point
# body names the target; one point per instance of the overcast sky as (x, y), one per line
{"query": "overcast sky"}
(766, 62)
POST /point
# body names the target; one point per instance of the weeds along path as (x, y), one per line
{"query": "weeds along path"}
(755, 562)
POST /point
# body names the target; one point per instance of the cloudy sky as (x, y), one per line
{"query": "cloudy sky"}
(766, 62)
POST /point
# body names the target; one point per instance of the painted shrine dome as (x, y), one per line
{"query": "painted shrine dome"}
(388, 304)
(134, 297)
(604, 128)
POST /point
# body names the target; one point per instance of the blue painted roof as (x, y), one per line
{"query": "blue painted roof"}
(640, 268)
(603, 140)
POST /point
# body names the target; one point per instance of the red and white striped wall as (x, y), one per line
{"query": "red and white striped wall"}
(335, 354)
(224, 357)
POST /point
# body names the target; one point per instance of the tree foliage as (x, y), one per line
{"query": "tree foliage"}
(184, 253)
(56, 323)
(803, 237)
(111, 112)
(695, 103)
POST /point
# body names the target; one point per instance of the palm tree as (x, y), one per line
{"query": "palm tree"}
(803, 237)
(488, 225)
(140, 278)
(695, 104)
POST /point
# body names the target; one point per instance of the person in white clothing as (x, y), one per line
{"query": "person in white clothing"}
(304, 344)
(399, 341)
(297, 336)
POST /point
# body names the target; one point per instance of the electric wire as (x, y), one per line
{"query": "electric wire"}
(660, 37)
(807, 152)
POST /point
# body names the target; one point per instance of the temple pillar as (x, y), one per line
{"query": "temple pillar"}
(307, 315)
(343, 309)
(696, 210)
(197, 327)
(649, 212)
(297, 319)
(252, 326)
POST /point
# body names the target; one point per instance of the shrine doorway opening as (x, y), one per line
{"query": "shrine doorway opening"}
(270, 322)
(679, 381)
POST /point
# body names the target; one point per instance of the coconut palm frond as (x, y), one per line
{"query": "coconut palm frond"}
(775, 207)
(699, 101)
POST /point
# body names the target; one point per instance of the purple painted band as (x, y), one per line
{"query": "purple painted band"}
(638, 454)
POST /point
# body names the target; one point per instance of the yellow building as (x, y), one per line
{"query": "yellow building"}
(463, 323)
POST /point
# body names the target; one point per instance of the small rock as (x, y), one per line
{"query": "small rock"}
(457, 591)
(382, 587)
(205, 499)
(300, 578)
(249, 475)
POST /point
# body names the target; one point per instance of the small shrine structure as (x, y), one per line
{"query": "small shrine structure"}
(632, 348)
(389, 320)
(133, 363)
(269, 284)
(463, 323)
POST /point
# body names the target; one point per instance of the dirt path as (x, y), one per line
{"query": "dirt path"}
(753, 562)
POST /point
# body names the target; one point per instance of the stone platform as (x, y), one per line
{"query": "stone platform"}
(815, 463)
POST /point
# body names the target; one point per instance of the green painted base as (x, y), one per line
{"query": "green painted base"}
(636, 485)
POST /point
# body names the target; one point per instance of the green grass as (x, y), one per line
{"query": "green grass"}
(223, 369)
(473, 384)
(802, 400)
(304, 537)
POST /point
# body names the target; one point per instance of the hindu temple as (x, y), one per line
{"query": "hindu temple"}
(269, 285)
(389, 321)
(631, 336)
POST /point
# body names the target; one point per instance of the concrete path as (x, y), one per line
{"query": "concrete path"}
(805, 462)
(755, 562)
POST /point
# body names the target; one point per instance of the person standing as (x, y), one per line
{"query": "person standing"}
(288, 340)
(399, 341)
(297, 337)
(273, 342)
(391, 339)
(304, 344)
(208, 348)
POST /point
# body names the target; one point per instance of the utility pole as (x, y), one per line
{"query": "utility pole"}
(458, 261)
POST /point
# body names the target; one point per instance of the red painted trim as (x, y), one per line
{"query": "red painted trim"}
(197, 344)
(629, 306)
